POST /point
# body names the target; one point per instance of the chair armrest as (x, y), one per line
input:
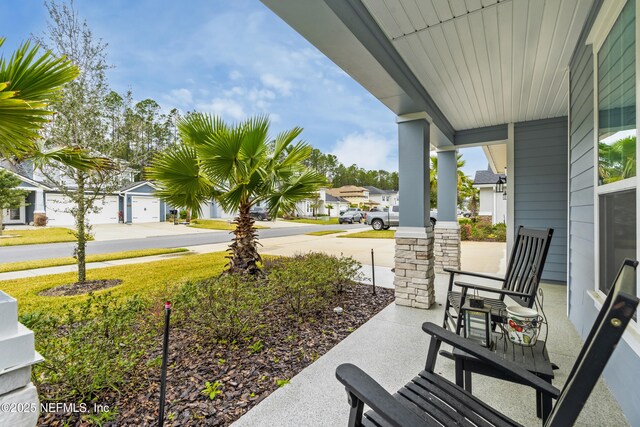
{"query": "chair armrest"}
(494, 290)
(474, 274)
(367, 390)
(490, 358)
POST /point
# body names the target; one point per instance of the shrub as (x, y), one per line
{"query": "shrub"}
(478, 233)
(89, 349)
(463, 221)
(465, 232)
(40, 221)
(222, 308)
(309, 281)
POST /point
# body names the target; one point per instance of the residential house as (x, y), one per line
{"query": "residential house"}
(552, 85)
(34, 201)
(356, 196)
(493, 195)
(383, 198)
(324, 204)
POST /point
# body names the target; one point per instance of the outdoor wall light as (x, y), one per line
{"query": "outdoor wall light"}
(500, 184)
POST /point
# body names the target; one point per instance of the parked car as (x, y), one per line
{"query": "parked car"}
(391, 218)
(351, 210)
(259, 213)
(350, 217)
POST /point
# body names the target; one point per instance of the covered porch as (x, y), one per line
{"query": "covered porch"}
(520, 78)
(392, 348)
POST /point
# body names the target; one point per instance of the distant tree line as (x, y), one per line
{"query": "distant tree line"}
(338, 174)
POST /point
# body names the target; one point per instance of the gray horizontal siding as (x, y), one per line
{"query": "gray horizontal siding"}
(540, 155)
(624, 367)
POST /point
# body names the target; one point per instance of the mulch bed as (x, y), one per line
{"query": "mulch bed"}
(79, 288)
(289, 345)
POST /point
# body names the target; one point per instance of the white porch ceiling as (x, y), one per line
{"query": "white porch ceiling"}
(487, 62)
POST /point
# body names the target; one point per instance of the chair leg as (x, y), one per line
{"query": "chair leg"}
(355, 415)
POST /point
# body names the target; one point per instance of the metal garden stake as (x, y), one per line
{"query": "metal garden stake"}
(165, 354)
(373, 272)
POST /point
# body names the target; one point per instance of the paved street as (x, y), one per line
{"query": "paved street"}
(56, 250)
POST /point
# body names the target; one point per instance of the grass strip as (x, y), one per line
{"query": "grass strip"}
(372, 234)
(55, 262)
(319, 221)
(152, 280)
(324, 232)
(35, 237)
(216, 224)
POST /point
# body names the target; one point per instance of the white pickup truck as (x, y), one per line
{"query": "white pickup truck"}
(391, 218)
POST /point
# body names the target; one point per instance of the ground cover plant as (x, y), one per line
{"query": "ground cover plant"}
(111, 256)
(234, 340)
(35, 237)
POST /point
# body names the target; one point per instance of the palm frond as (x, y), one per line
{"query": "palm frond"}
(29, 82)
(177, 173)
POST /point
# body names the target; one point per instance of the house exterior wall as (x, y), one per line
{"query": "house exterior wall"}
(540, 169)
(486, 201)
(623, 370)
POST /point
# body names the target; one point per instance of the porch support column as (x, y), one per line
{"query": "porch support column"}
(414, 273)
(39, 214)
(447, 230)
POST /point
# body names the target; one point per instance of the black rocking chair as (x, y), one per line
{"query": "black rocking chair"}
(520, 283)
(431, 400)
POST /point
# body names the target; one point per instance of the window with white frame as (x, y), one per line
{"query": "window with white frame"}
(615, 147)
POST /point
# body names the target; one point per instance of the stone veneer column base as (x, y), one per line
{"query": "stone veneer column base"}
(414, 267)
(446, 245)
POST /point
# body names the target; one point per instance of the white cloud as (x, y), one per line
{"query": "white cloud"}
(181, 96)
(368, 150)
(281, 85)
(235, 75)
(225, 107)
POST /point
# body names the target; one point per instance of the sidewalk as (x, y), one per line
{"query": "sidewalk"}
(476, 256)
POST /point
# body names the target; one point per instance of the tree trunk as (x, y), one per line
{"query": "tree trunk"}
(81, 232)
(244, 257)
(1, 219)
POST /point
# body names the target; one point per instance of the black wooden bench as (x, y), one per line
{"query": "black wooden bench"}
(431, 400)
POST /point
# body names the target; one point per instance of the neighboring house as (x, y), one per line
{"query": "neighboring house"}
(34, 201)
(552, 85)
(493, 200)
(138, 203)
(383, 198)
(355, 195)
(306, 207)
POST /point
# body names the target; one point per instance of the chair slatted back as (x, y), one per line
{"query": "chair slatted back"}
(526, 263)
(617, 310)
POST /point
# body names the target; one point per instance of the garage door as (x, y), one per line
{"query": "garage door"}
(145, 209)
(58, 211)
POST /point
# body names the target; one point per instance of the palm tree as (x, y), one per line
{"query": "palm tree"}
(29, 82)
(239, 166)
(433, 178)
(617, 161)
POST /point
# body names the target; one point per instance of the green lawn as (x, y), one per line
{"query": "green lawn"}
(34, 237)
(372, 234)
(54, 262)
(323, 220)
(324, 232)
(151, 280)
(216, 224)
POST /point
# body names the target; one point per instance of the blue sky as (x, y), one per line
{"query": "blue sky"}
(233, 58)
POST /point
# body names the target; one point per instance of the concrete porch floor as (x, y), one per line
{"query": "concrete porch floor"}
(392, 348)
